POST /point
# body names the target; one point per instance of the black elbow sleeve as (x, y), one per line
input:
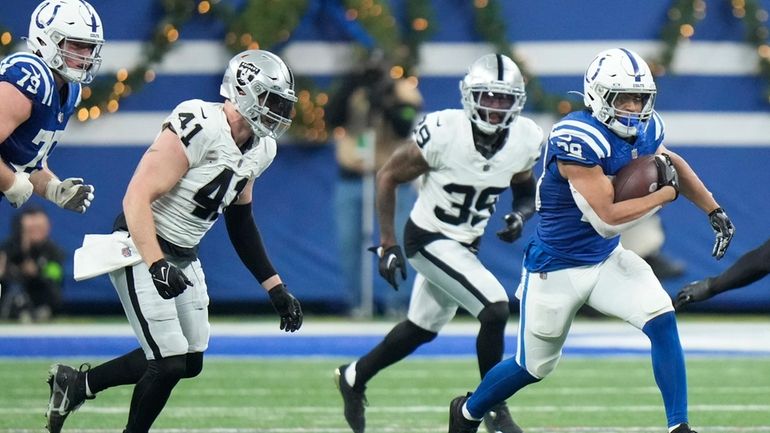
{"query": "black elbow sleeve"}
(247, 241)
(524, 197)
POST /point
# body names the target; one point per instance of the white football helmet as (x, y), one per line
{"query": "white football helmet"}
(616, 72)
(493, 93)
(55, 22)
(261, 87)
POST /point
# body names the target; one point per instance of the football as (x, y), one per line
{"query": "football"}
(637, 179)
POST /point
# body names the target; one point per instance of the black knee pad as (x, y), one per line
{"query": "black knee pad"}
(171, 368)
(194, 364)
(494, 314)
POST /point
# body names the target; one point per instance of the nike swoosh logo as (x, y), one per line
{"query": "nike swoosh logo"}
(203, 114)
(438, 121)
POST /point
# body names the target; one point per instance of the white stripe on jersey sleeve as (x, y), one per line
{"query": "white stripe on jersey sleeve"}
(659, 125)
(42, 69)
(589, 129)
(584, 137)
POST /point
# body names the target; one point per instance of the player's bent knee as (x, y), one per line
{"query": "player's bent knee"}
(496, 313)
(418, 333)
(543, 368)
(194, 364)
(170, 368)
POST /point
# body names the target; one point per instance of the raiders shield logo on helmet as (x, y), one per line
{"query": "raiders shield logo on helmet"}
(246, 73)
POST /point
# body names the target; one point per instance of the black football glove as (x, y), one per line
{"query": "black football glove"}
(694, 292)
(287, 306)
(514, 227)
(391, 259)
(723, 229)
(169, 280)
(667, 174)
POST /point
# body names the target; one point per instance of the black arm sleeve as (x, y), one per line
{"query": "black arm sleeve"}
(524, 197)
(247, 242)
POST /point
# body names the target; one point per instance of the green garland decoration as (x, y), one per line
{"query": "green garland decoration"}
(260, 24)
(683, 16)
(491, 27)
(754, 18)
(106, 95)
(420, 25)
(263, 23)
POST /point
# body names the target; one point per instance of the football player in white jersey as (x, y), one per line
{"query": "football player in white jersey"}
(575, 257)
(39, 91)
(466, 159)
(203, 162)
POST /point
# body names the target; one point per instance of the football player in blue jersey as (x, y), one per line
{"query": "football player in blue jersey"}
(39, 91)
(575, 257)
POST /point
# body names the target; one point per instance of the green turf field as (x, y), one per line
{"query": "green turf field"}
(584, 395)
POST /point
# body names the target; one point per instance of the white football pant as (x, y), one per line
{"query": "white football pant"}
(449, 275)
(622, 286)
(164, 327)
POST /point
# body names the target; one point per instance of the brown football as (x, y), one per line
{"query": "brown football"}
(637, 179)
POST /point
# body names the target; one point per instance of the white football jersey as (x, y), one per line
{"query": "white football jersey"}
(217, 174)
(459, 193)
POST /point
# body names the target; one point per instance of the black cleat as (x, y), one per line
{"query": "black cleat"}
(457, 422)
(353, 400)
(683, 428)
(499, 420)
(68, 393)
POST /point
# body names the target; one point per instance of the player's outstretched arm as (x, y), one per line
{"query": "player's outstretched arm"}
(693, 188)
(245, 238)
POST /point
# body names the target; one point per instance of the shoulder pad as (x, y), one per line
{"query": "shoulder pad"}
(30, 75)
(196, 125)
(578, 141)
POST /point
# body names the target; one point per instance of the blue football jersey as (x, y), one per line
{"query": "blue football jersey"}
(563, 239)
(30, 144)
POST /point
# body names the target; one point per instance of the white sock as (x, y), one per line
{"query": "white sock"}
(350, 374)
(468, 415)
(670, 429)
(88, 389)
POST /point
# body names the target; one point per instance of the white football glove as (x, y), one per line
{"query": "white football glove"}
(20, 191)
(71, 194)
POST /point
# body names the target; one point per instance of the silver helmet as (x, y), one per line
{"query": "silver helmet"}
(493, 93)
(54, 24)
(261, 87)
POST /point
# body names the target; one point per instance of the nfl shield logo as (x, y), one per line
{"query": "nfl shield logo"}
(126, 251)
(246, 73)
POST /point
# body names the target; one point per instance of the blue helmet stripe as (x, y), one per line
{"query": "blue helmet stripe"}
(635, 65)
(598, 67)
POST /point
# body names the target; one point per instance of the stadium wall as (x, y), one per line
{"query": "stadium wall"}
(713, 104)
